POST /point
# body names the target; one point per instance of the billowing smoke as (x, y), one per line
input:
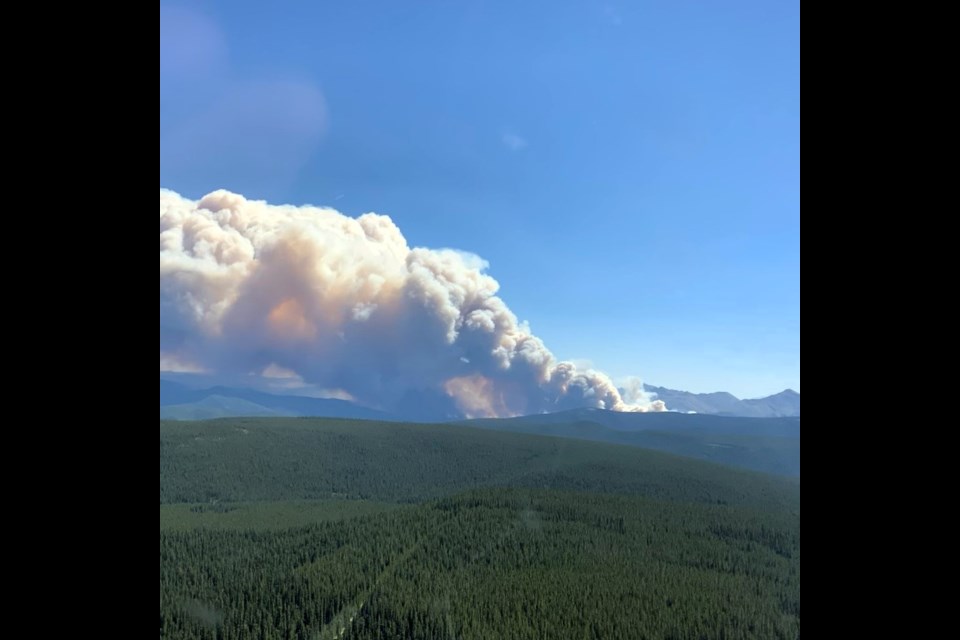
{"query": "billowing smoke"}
(345, 305)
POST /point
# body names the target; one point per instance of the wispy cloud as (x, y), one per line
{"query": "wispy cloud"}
(192, 46)
(514, 142)
(173, 363)
(229, 127)
(612, 16)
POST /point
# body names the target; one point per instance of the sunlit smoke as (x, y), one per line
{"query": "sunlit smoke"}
(306, 293)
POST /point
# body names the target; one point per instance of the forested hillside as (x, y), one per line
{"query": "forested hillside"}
(335, 529)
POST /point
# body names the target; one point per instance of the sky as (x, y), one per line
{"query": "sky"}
(629, 171)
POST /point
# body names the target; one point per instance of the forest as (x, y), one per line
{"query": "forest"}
(311, 528)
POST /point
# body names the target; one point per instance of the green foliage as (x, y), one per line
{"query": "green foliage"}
(507, 536)
(254, 460)
(264, 515)
(491, 564)
(771, 445)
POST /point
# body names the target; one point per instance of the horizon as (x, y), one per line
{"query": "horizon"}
(202, 382)
(630, 178)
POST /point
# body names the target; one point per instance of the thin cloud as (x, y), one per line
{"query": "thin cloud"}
(229, 127)
(612, 16)
(514, 142)
(172, 363)
(192, 46)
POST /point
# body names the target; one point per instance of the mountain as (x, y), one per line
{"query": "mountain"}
(783, 404)
(217, 407)
(771, 445)
(265, 459)
(177, 401)
(783, 427)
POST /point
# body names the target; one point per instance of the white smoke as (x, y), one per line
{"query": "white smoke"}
(346, 305)
(633, 392)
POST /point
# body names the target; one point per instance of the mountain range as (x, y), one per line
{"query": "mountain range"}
(762, 444)
(780, 405)
(769, 443)
(181, 402)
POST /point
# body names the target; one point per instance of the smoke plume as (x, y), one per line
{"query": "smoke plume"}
(344, 304)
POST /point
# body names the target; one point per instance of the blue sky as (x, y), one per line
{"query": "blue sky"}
(629, 170)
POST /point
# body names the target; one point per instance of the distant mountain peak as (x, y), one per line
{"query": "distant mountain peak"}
(783, 404)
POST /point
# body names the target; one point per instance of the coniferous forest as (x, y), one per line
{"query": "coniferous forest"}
(337, 529)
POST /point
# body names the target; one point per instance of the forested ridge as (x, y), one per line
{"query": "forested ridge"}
(285, 529)
(252, 459)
